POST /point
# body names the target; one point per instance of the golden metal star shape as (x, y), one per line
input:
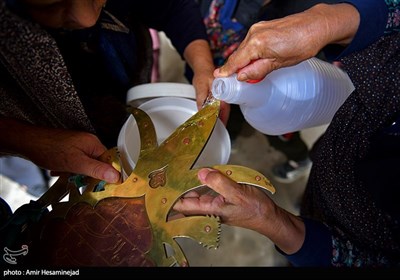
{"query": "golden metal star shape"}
(162, 175)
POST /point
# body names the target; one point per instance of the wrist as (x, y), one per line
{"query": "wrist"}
(336, 27)
(198, 55)
(287, 231)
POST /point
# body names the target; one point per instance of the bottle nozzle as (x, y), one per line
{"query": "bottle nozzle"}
(218, 88)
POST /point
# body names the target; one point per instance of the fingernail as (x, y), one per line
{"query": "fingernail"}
(202, 174)
(217, 72)
(242, 77)
(111, 176)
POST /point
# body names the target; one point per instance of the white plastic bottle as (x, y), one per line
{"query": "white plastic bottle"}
(288, 99)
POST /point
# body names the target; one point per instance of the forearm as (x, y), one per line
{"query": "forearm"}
(376, 20)
(16, 136)
(46, 146)
(32, 142)
(334, 24)
(304, 242)
(198, 55)
(287, 41)
(284, 229)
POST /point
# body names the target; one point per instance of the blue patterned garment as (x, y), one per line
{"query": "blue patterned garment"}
(393, 23)
(224, 33)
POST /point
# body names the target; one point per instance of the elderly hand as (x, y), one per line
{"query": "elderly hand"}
(244, 206)
(274, 44)
(58, 150)
(236, 205)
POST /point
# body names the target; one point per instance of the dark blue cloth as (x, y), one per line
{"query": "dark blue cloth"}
(116, 54)
(317, 247)
(373, 20)
(180, 20)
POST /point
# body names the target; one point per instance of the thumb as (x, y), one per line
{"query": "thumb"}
(220, 183)
(100, 170)
(256, 70)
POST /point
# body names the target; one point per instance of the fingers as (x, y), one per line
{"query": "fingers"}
(91, 164)
(95, 169)
(249, 51)
(102, 171)
(235, 62)
(253, 70)
(191, 194)
(200, 205)
(227, 188)
(110, 175)
(257, 70)
(99, 170)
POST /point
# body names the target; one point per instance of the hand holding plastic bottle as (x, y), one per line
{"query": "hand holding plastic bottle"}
(270, 45)
(284, 42)
(304, 91)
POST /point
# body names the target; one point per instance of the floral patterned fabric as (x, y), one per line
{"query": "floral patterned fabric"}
(393, 23)
(224, 32)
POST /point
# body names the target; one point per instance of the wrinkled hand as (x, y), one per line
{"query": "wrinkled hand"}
(274, 44)
(61, 150)
(237, 205)
(244, 206)
(76, 152)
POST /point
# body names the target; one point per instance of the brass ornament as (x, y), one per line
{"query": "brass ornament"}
(132, 223)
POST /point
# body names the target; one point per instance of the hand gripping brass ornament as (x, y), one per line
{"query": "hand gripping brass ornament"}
(130, 224)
